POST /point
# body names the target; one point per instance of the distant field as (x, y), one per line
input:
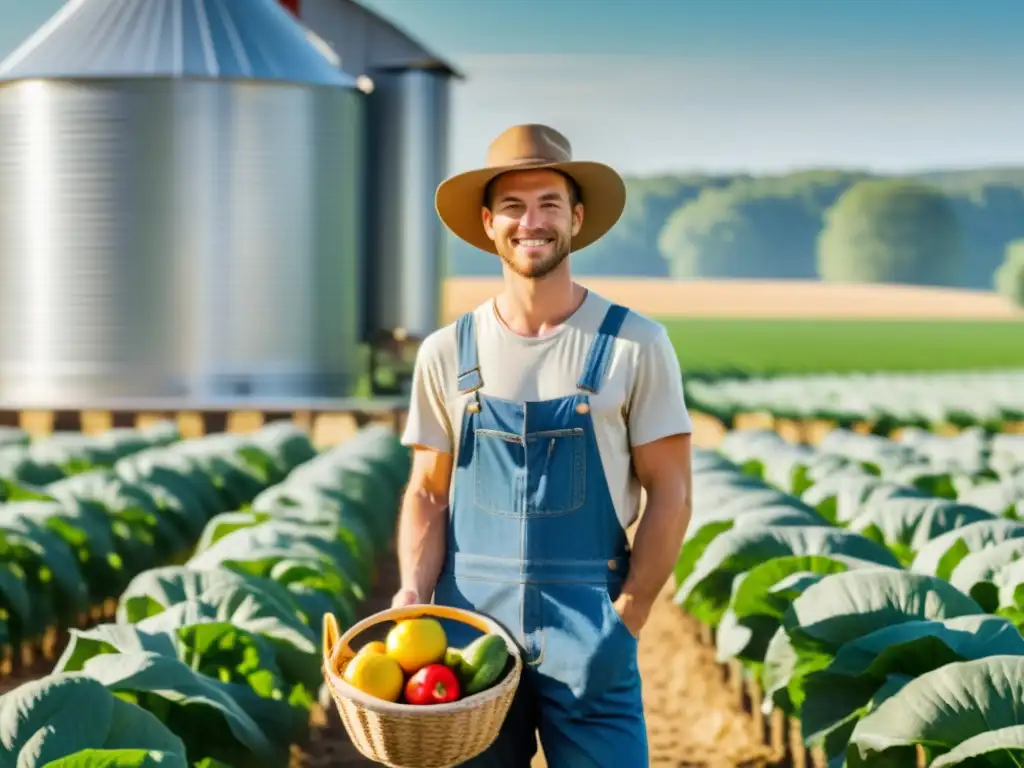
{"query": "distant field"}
(768, 298)
(804, 326)
(794, 345)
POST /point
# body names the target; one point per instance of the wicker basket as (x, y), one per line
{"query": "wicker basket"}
(408, 736)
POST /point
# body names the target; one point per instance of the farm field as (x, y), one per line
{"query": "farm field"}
(834, 587)
(216, 556)
(175, 588)
(843, 346)
(877, 402)
(795, 327)
(869, 588)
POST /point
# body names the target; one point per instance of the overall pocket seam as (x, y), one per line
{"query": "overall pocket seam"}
(481, 497)
(575, 441)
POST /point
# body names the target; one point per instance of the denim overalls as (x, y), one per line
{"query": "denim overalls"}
(534, 542)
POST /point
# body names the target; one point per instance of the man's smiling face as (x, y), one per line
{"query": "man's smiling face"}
(531, 217)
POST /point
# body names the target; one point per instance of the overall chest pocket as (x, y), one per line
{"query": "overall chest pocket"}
(543, 474)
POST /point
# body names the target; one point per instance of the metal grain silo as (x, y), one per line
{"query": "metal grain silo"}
(407, 139)
(180, 206)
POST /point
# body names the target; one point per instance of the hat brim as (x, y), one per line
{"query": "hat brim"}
(459, 200)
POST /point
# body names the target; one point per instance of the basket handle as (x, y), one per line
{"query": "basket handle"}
(335, 646)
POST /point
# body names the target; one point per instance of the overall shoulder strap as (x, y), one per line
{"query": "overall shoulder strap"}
(469, 365)
(600, 350)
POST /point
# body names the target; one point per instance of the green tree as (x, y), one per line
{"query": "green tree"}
(891, 231)
(755, 228)
(769, 226)
(991, 215)
(631, 247)
(1009, 278)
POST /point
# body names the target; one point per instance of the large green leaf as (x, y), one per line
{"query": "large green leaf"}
(762, 592)
(16, 607)
(286, 443)
(707, 528)
(299, 565)
(940, 483)
(157, 589)
(1004, 498)
(59, 715)
(247, 663)
(1001, 748)
(174, 514)
(851, 604)
(794, 469)
(733, 493)
(705, 592)
(349, 555)
(761, 596)
(940, 556)
(50, 568)
(86, 530)
(339, 482)
(200, 710)
(941, 710)
(905, 525)
(218, 650)
(981, 574)
(179, 476)
(257, 605)
(843, 607)
(840, 498)
(119, 758)
(838, 695)
(19, 467)
(294, 644)
(238, 468)
(84, 644)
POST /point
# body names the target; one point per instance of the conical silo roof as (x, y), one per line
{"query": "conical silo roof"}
(221, 39)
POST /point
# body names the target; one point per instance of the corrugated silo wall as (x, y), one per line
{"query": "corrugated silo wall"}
(174, 238)
(407, 132)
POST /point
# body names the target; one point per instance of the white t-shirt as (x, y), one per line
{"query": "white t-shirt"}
(640, 398)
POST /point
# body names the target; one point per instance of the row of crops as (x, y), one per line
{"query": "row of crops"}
(874, 588)
(962, 398)
(222, 555)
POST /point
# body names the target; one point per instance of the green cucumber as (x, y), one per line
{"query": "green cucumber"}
(479, 664)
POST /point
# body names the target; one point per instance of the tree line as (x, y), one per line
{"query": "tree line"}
(951, 228)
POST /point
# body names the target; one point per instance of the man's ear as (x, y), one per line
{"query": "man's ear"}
(577, 218)
(488, 221)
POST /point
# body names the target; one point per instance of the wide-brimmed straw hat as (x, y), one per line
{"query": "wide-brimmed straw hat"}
(523, 147)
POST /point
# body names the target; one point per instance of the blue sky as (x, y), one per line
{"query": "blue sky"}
(723, 85)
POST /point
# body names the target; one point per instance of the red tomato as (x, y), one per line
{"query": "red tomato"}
(433, 684)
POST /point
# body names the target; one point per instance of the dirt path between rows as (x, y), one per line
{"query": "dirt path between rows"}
(693, 716)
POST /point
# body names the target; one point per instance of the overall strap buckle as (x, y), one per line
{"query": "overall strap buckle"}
(470, 378)
(599, 355)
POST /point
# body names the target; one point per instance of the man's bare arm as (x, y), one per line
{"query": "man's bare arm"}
(663, 468)
(422, 524)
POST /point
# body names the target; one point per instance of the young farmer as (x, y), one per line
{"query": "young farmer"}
(536, 419)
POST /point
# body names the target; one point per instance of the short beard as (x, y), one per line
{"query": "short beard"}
(535, 271)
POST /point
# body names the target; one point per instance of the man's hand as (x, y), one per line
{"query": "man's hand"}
(404, 597)
(633, 614)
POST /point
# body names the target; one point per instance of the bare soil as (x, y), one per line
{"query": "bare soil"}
(765, 298)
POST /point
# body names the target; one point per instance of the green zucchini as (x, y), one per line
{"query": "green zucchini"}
(479, 664)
